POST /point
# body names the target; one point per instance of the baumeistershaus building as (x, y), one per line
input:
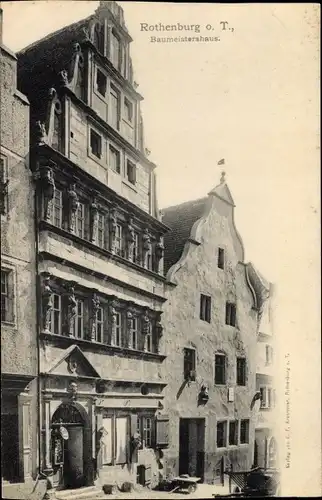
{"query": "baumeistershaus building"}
(99, 258)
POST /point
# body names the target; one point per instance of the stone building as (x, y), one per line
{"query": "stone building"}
(265, 444)
(18, 297)
(99, 258)
(211, 319)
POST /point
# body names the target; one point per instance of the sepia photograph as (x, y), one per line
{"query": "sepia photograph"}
(160, 250)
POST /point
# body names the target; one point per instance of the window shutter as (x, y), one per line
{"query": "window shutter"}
(227, 314)
(11, 297)
(162, 431)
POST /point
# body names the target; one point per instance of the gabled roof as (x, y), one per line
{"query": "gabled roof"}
(223, 191)
(40, 63)
(180, 219)
(80, 364)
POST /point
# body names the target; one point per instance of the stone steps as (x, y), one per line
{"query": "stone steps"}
(86, 492)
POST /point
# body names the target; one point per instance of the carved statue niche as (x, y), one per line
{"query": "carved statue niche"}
(73, 205)
(146, 246)
(71, 308)
(112, 228)
(130, 237)
(159, 251)
(47, 301)
(47, 186)
(94, 221)
(95, 306)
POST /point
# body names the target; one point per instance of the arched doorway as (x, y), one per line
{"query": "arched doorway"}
(70, 444)
(272, 453)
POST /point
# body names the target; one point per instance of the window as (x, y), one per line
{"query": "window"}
(96, 143)
(101, 82)
(101, 230)
(205, 308)
(220, 369)
(189, 364)
(221, 434)
(119, 240)
(145, 429)
(107, 441)
(114, 159)
(114, 439)
(99, 324)
(3, 186)
(79, 320)
(268, 354)
(118, 329)
(244, 431)
(115, 50)
(7, 296)
(131, 172)
(55, 316)
(128, 110)
(133, 334)
(241, 371)
(56, 209)
(266, 397)
(121, 440)
(99, 37)
(80, 220)
(233, 432)
(136, 250)
(221, 258)
(114, 108)
(230, 314)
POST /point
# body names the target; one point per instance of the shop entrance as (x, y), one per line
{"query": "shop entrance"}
(68, 446)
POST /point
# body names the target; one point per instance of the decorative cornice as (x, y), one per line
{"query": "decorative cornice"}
(90, 346)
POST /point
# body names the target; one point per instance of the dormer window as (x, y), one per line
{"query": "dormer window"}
(115, 51)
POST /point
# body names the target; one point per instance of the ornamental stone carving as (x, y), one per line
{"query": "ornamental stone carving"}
(146, 322)
(95, 306)
(158, 326)
(47, 302)
(159, 251)
(40, 133)
(94, 221)
(112, 228)
(71, 308)
(47, 186)
(112, 318)
(73, 205)
(63, 78)
(146, 246)
(130, 237)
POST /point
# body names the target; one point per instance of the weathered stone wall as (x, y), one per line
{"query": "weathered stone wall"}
(183, 328)
(18, 340)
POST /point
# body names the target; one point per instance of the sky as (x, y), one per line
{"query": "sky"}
(251, 98)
